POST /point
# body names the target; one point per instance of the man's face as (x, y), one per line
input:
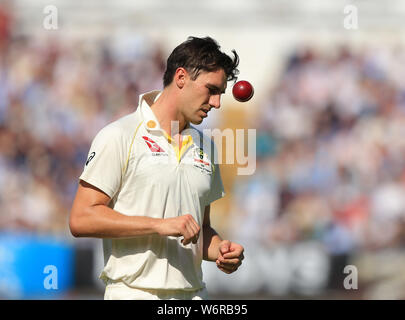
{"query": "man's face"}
(202, 94)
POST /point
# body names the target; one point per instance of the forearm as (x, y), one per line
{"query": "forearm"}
(211, 241)
(100, 221)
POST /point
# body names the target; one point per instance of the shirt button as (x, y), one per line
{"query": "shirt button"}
(151, 124)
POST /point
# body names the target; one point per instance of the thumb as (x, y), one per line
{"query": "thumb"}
(225, 246)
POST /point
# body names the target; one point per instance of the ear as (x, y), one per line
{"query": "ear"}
(180, 77)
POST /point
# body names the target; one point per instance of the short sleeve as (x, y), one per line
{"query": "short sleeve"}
(105, 161)
(217, 188)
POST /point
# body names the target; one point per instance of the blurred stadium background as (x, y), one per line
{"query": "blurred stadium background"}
(329, 110)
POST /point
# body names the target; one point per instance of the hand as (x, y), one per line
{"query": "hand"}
(230, 256)
(184, 226)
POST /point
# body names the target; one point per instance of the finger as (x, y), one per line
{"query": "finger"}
(186, 237)
(227, 268)
(195, 230)
(230, 268)
(194, 239)
(230, 265)
(224, 270)
(196, 226)
(228, 261)
(225, 246)
(193, 233)
(185, 241)
(192, 227)
(233, 253)
(191, 221)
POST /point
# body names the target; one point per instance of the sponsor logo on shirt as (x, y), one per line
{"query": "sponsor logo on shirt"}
(154, 147)
(91, 156)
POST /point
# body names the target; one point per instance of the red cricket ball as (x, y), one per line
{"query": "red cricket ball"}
(242, 91)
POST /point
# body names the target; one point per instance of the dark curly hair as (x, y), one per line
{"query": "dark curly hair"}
(200, 54)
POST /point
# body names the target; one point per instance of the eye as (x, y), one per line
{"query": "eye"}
(213, 91)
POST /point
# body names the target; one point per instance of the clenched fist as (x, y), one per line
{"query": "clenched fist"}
(182, 226)
(230, 256)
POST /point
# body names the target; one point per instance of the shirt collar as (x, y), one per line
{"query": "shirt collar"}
(152, 124)
(150, 121)
(149, 118)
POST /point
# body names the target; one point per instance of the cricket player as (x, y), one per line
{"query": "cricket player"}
(149, 179)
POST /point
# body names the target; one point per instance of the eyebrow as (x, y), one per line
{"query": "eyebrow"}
(214, 87)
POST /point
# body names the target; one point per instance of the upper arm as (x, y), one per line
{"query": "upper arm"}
(91, 195)
(86, 197)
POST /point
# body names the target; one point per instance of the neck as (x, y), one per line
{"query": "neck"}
(166, 110)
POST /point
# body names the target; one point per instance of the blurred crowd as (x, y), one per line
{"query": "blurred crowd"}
(55, 94)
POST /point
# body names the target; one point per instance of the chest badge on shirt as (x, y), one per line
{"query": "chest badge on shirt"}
(201, 161)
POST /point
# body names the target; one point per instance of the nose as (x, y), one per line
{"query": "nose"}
(215, 101)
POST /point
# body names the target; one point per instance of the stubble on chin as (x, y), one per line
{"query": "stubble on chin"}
(196, 122)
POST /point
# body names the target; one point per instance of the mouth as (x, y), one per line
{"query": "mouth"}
(205, 111)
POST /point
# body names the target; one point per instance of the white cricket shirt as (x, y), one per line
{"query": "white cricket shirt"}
(133, 162)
